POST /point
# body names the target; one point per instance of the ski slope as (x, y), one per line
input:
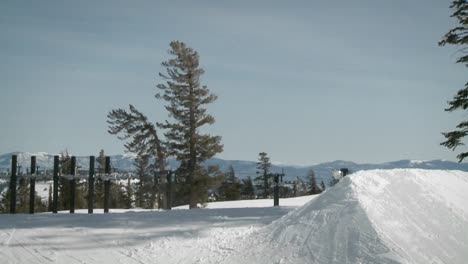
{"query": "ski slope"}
(380, 216)
(137, 235)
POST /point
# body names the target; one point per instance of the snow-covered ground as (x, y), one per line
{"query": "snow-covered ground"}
(381, 216)
(136, 236)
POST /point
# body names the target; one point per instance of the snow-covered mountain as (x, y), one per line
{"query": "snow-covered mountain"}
(244, 168)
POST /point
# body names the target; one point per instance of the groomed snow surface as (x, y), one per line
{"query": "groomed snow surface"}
(380, 216)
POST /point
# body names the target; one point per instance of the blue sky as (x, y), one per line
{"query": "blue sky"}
(305, 81)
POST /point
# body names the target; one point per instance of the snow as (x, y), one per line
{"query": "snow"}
(136, 235)
(379, 216)
(418, 161)
(296, 201)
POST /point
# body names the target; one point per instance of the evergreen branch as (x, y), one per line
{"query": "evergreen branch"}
(133, 124)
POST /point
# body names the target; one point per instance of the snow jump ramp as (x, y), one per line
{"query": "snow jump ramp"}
(378, 216)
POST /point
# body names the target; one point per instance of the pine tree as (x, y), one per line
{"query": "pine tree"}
(5, 201)
(230, 189)
(81, 194)
(295, 188)
(181, 189)
(285, 192)
(63, 183)
(118, 196)
(39, 205)
(22, 194)
(263, 167)
(231, 175)
(301, 187)
(143, 190)
(458, 36)
(129, 199)
(186, 99)
(248, 189)
(235, 186)
(22, 197)
(322, 186)
(99, 183)
(312, 188)
(208, 178)
(145, 141)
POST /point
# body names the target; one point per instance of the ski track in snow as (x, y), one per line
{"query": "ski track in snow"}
(138, 236)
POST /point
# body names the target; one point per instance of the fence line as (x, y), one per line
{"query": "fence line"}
(72, 176)
(107, 176)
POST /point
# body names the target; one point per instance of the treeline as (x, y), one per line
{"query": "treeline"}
(142, 190)
(264, 181)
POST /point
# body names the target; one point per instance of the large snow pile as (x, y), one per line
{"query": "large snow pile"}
(379, 216)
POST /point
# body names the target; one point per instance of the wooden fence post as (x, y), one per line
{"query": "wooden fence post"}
(92, 160)
(32, 185)
(14, 163)
(107, 183)
(72, 185)
(56, 178)
(276, 190)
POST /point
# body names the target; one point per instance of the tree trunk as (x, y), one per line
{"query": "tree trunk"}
(192, 153)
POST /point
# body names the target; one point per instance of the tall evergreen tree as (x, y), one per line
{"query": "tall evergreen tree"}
(263, 167)
(458, 36)
(185, 101)
(312, 188)
(231, 175)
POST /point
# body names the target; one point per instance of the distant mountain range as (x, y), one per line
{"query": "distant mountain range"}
(242, 168)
